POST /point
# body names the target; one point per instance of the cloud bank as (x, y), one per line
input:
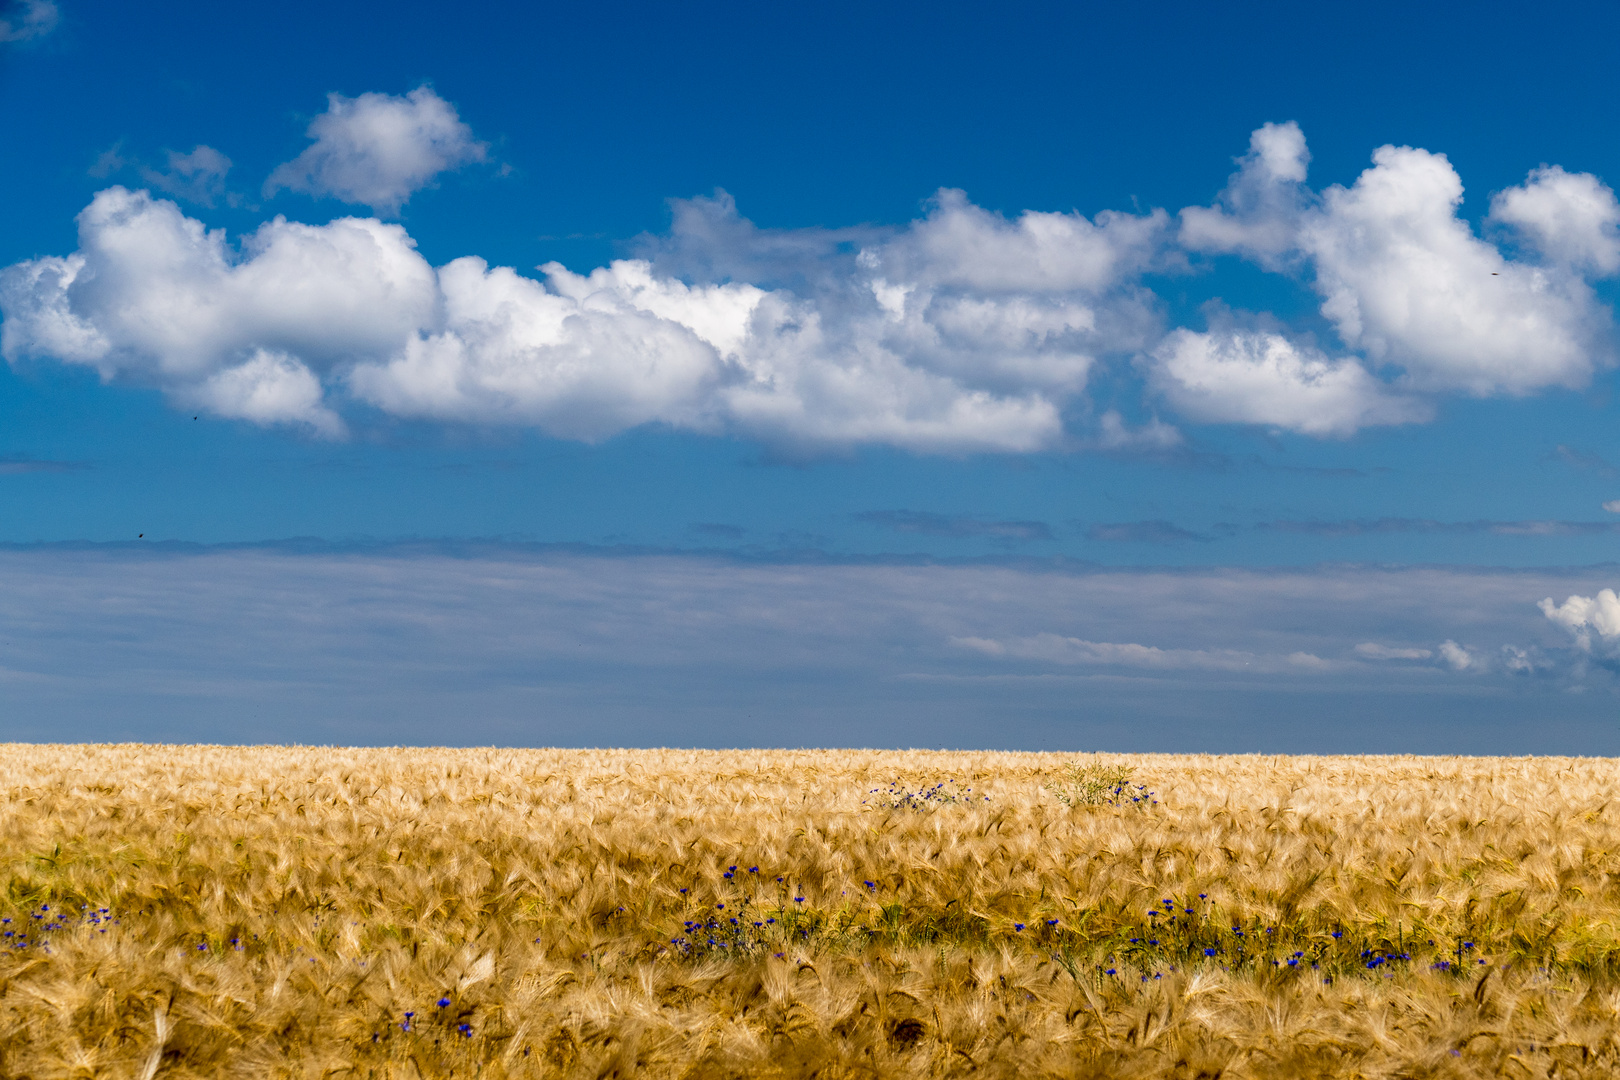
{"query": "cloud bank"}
(962, 331)
(477, 644)
(914, 341)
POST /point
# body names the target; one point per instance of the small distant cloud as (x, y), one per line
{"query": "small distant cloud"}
(1612, 506)
(1523, 661)
(379, 149)
(109, 161)
(198, 176)
(1143, 532)
(16, 466)
(27, 20)
(1374, 651)
(719, 531)
(1581, 615)
(1461, 658)
(957, 527)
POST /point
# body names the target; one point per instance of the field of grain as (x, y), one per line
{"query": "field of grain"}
(224, 912)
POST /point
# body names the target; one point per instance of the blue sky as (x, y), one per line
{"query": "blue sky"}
(824, 305)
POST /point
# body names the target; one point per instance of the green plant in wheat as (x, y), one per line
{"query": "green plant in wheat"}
(1099, 783)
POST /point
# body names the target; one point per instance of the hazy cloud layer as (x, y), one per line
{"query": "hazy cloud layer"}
(26, 20)
(1142, 532)
(1372, 650)
(486, 643)
(1372, 526)
(925, 524)
(964, 330)
(1054, 648)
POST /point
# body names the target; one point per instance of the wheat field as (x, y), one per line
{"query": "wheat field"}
(315, 912)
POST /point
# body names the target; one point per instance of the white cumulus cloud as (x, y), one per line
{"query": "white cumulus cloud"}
(1582, 615)
(153, 296)
(1405, 279)
(378, 149)
(1572, 219)
(295, 319)
(1407, 282)
(964, 330)
(268, 388)
(1263, 378)
(1258, 214)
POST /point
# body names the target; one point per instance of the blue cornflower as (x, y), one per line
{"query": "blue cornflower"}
(443, 1002)
(465, 1029)
(1110, 971)
(1018, 927)
(1209, 952)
